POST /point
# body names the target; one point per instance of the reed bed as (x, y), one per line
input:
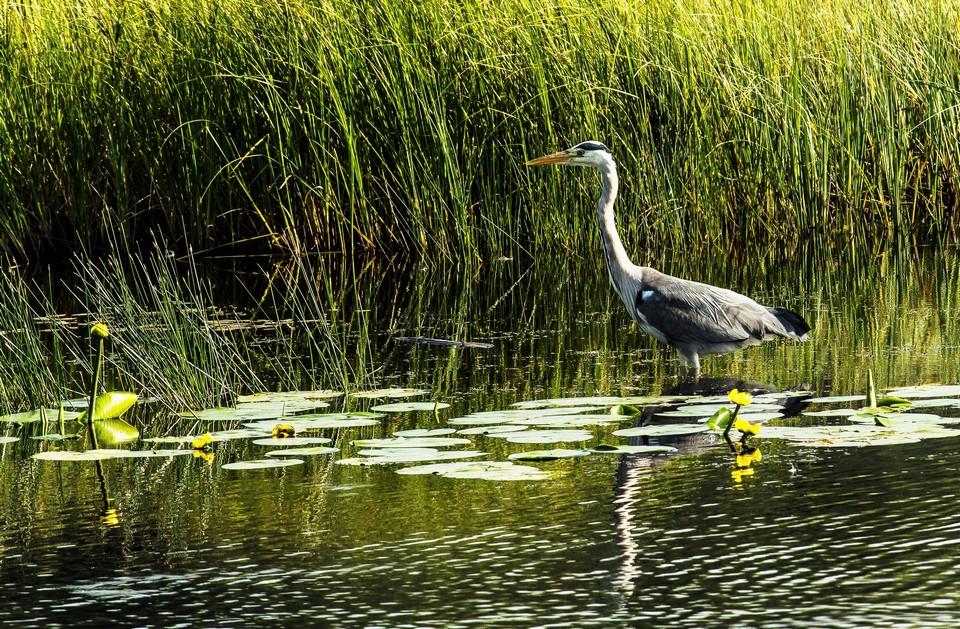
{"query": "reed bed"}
(392, 126)
(170, 341)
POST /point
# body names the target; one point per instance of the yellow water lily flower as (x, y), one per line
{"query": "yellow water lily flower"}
(739, 474)
(740, 398)
(206, 455)
(283, 430)
(201, 443)
(746, 427)
(99, 331)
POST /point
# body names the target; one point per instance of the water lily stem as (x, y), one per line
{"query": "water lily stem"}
(98, 363)
(726, 431)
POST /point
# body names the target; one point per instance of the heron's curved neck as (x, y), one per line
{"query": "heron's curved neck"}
(617, 259)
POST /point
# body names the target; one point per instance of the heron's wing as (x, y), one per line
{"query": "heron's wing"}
(690, 312)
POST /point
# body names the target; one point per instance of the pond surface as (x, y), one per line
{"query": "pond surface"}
(826, 537)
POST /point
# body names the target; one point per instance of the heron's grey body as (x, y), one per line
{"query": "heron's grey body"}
(696, 319)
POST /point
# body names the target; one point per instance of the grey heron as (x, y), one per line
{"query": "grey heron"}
(695, 319)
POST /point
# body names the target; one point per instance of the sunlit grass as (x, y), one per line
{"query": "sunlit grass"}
(311, 124)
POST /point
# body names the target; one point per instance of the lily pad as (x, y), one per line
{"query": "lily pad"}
(115, 431)
(481, 470)
(833, 412)
(491, 430)
(37, 414)
(628, 449)
(661, 430)
(602, 400)
(311, 451)
(490, 418)
(291, 441)
(333, 421)
(239, 433)
(424, 432)
(414, 442)
(548, 455)
(927, 391)
(547, 436)
(401, 407)
(831, 399)
(260, 464)
(389, 393)
(4, 440)
(104, 454)
(226, 414)
(573, 421)
(290, 396)
(390, 456)
(706, 410)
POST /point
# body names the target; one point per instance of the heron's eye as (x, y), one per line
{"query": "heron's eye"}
(579, 152)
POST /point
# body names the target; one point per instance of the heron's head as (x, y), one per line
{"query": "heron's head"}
(591, 153)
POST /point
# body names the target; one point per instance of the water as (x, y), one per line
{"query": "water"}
(816, 537)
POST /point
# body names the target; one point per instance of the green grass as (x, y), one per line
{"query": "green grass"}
(394, 126)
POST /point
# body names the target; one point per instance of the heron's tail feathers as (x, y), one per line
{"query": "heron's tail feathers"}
(792, 323)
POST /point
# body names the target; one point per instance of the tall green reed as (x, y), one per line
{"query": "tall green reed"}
(323, 125)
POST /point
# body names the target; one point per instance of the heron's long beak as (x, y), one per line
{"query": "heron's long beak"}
(553, 158)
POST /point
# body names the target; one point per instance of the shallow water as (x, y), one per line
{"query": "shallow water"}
(836, 537)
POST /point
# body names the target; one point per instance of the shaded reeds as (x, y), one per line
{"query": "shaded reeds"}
(316, 125)
(169, 340)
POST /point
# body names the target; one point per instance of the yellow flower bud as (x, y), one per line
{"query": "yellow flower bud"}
(99, 331)
(202, 442)
(281, 431)
(746, 427)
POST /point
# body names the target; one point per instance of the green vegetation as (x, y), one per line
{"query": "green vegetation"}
(311, 124)
(168, 340)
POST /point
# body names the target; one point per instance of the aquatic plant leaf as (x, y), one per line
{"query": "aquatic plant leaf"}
(170, 439)
(492, 418)
(301, 425)
(414, 442)
(227, 414)
(278, 408)
(291, 441)
(831, 399)
(37, 414)
(4, 440)
(239, 433)
(706, 410)
(424, 432)
(491, 430)
(833, 412)
(401, 407)
(661, 430)
(935, 402)
(481, 470)
(310, 451)
(260, 464)
(720, 419)
(111, 432)
(774, 396)
(105, 454)
(548, 455)
(390, 456)
(389, 393)
(927, 390)
(628, 449)
(110, 405)
(547, 436)
(603, 400)
(573, 421)
(307, 397)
